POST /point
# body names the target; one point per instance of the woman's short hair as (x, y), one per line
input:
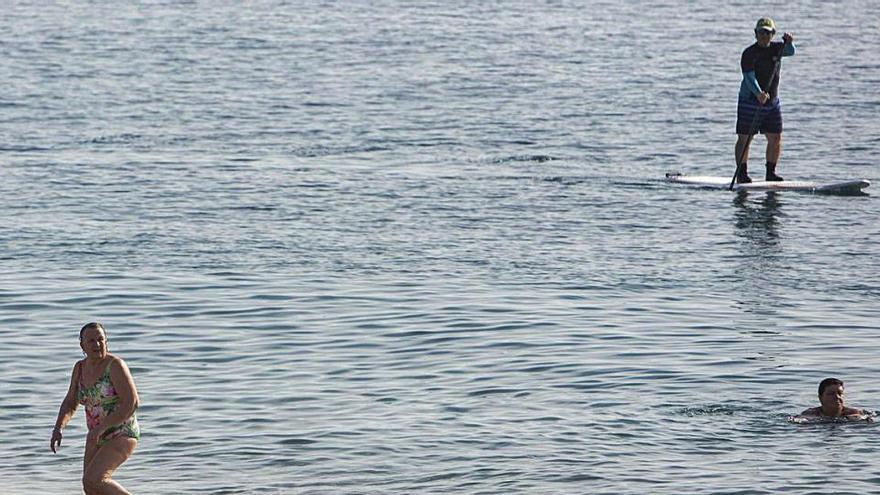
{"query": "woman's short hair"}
(89, 326)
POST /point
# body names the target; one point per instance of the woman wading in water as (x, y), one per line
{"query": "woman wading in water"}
(103, 384)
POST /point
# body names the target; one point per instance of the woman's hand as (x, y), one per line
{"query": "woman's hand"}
(56, 439)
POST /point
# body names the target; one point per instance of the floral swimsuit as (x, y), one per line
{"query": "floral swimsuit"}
(100, 400)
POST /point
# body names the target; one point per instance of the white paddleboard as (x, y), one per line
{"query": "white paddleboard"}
(849, 186)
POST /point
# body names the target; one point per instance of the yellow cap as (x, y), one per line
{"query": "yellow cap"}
(766, 24)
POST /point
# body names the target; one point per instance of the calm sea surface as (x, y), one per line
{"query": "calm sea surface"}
(425, 247)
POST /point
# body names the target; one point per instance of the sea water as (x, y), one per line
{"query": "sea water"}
(425, 247)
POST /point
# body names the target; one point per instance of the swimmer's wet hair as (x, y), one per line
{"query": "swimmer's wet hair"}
(828, 382)
(91, 325)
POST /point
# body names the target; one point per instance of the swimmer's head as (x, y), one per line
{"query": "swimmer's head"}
(828, 381)
(93, 340)
(831, 396)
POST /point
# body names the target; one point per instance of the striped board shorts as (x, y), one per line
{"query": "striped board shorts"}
(770, 119)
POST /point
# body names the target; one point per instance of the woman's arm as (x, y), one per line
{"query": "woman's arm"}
(68, 407)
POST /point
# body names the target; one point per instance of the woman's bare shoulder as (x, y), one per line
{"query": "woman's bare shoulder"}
(76, 372)
(117, 363)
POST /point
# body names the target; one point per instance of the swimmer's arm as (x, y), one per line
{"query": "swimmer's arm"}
(856, 414)
(122, 381)
(69, 404)
(68, 407)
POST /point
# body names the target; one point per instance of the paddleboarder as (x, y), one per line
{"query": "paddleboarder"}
(759, 109)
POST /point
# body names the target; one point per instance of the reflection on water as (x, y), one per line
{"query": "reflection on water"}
(757, 225)
(757, 222)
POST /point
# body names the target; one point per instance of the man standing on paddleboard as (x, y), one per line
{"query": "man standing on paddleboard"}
(759, 109)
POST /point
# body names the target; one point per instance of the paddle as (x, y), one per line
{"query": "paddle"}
(754, 127)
